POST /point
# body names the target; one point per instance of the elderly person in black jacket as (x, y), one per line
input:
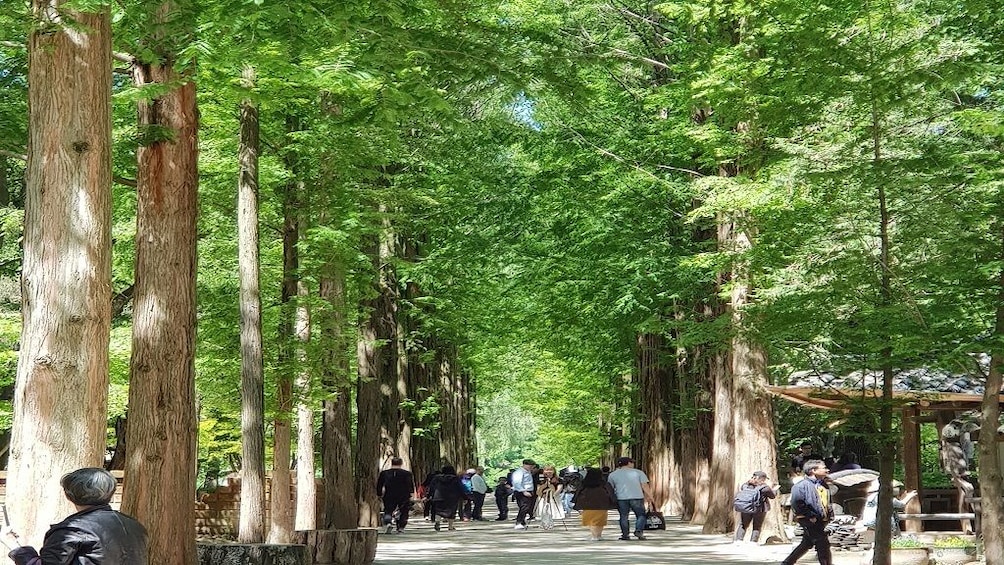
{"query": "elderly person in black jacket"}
(95, 534)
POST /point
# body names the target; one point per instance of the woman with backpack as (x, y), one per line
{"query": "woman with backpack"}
(752, 502)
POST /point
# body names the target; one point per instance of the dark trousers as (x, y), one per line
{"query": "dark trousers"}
(403, 508)
(625, 508)
(813, 534)
(502, 502)
(479, 503)
(525, 505)
(745, 519)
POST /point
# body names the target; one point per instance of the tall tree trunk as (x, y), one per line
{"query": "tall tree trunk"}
(673, 503)
(721, 472)
(306, 491)
(251, 527)
(60, 397)
(369, 355)
(454, 433)
(161, 463)
(376, 396)
(391, 383)
(709, 363)
(340, 509)
(991, 488)
(887, 439)
(753, 414)
(655, 423)
(281, 530)
(425, 450)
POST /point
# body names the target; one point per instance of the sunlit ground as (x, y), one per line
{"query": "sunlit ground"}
(490, 543)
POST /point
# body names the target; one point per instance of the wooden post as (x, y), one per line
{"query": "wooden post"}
(911, 464)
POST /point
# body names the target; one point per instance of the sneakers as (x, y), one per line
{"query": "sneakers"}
(640, 535)
(519, 527)
(436, 526)
(388, 529)
(625, 538)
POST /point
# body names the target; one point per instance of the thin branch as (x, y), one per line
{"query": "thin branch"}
(124, 57)
(13, 45)
(13, 155)
(629, 163)
(631, 56)
(125, 182)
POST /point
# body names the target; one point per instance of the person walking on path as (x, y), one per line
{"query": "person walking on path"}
(632, 491)
(758, 490)
(810, 502)
(479, 488)
(502, 493)
(395, 487)
(594, 499)
(523, 489)
(447, 491)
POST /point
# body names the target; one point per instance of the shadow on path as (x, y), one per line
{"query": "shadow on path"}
(496, 543)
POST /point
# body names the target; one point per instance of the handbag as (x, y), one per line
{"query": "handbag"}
(654, 520)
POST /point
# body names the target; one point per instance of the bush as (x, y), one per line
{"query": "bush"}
(907, 542)
(954, 541)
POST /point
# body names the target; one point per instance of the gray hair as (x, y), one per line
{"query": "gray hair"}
(90, 486)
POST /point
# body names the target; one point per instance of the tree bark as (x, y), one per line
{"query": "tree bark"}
(306, 491)
(161, 462)
(60, 397)
(340, 509)
(721, 471)
(281, 530)
(251, 525)
(752, 411)
(991, 489)
(455, 439)
(656, 424)
(368, 399)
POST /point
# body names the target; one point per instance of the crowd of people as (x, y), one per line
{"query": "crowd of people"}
(540, 493)
(547, 494)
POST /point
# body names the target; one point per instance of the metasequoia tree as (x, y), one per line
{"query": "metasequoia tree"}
(281, 529)
(306, 493)
(340, 509)
(160, 464)
(60, 396)
(251, 524)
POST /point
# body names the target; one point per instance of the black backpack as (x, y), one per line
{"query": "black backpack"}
(749, 499)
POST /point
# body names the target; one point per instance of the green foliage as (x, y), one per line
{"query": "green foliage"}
(954, 541)
(907, 542)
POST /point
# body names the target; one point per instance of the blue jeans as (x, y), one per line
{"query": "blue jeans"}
(624, 508)
(566, 501)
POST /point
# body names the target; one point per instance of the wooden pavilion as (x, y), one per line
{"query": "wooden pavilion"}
(924, 396)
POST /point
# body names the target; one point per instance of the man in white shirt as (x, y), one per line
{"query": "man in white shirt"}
(479, 487)
(632, 490)
(523, 489)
